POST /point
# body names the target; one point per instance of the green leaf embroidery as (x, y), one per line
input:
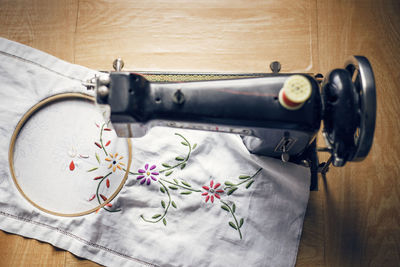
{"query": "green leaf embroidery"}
(233, 225)
(249, 184)
(230, 188)
(241, 222)
(97, 157)
(92, 169)
(225, 208)
(233, 189)
(186, 183)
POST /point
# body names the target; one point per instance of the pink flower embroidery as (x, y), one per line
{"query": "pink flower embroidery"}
(147, 174)
(212, 191)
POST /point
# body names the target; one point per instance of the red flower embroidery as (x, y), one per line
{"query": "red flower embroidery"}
(212, 191)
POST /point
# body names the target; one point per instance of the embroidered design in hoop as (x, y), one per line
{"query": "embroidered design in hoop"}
(20, 125)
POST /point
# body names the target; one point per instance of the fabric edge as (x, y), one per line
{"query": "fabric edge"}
(45, 60)
(259, 161)
(300, 233)
(13, 224)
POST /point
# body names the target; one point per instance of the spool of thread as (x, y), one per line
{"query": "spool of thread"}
(295, 92)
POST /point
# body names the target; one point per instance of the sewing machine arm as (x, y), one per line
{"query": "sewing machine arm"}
(277, 115)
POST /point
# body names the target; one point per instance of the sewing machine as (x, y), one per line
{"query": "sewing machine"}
(276, 114)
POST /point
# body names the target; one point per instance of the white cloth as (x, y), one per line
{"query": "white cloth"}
(195, 233)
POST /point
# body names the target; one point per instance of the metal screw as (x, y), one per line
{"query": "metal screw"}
(285, 157)
(118, 64)
(103, 91)
(319, 77)
(324, 167)
(104, 79)
(305, 163)
(275, 66)
(178, 97)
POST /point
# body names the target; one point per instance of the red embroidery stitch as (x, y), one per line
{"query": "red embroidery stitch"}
(115, 163)
(71, 166)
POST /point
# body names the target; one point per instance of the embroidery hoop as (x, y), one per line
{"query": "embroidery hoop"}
(20, 125)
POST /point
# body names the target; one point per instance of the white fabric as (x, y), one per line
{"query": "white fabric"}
(50, 147)
(196, 233)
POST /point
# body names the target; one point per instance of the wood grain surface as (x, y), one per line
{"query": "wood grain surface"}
(354, 219)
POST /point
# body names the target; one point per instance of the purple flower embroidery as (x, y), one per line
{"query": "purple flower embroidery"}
(147, 174)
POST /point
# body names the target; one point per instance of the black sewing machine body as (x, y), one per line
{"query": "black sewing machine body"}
(255, 108)
(247, 106)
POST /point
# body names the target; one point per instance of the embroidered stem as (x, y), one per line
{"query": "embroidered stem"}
(236, 226)
(101, 139)
(183, 161)
(231, 185)
(98, 195)
(133, 173)
(159, 218)
(181, 186)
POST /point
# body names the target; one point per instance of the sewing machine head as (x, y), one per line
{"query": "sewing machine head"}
(276, 114)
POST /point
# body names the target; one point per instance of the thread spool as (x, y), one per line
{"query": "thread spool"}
(295, 92)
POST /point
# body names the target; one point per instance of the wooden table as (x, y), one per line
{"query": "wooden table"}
(354, 219)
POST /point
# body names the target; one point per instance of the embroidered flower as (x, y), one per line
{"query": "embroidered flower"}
(212, 191)
(73, 154)
(147, 174)
(114, 161)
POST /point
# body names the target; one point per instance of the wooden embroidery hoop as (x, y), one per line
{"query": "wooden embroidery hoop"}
(21, 123)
